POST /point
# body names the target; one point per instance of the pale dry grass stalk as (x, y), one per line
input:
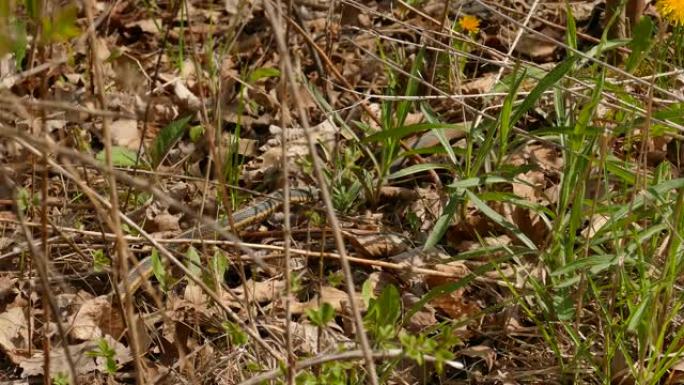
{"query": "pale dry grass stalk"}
(285, 121)
(120, 243)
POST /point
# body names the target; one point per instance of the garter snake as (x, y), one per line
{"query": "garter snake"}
(242, 218)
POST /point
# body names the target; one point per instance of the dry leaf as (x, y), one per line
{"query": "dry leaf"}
(423, 318)
(166, 222)
(335, 297)
(185, 96)
(195, 296)
(13, 333)
(125, 133)
(150, 26)
(259, 291)
(377, 246)
(481, 351)
(454, 305)
(595, 223)
(85, 323)
(428, 207)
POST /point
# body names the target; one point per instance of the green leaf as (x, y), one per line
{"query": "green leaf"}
(100, 260)
(402, 131)
(19, 43)
(571, 28)
(411, 87)
(384, 311)
(121, 156)
(60, 27)
(237, 336)
(640, 43)
(367, 292)
(500, 220)
(640, 200)
(33, 8)
(595, 263)
(262, 73)
(167, 137)
(416, 168)
(505, 118)
(158, 269)
(431, 117)
(442, 223)
(196, 133)
(193, 262)
(544, 84)
(321, 316)
(219, 264)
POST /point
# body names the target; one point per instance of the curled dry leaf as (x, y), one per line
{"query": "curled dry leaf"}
(185, 96)
(455, 306)
(481, 351)
(324, 134)
(469, 245)
(595, 223)
(166, 222)
(335, 297)
(423, 318)
(377, 245)
(398, 193)
(307, 338)
(13, 334)
(85, 323)
(150, 26)
(125, 133)
(258, 291)
(195, 296)
(418, 257)
(428, 207)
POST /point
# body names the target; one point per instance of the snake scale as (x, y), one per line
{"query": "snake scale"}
(242, 218)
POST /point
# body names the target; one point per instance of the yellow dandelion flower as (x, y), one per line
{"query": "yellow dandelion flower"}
(672, 9)
(471, 24)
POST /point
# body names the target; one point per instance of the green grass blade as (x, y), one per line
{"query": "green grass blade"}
(167, 137)
(500, 220)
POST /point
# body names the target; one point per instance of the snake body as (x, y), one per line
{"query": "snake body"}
(242, 218)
